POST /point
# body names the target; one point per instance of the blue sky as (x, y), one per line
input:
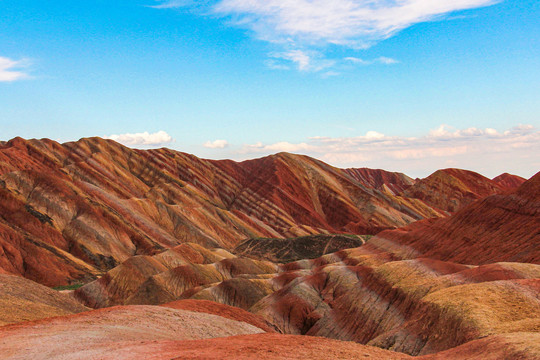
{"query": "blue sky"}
(410, 86)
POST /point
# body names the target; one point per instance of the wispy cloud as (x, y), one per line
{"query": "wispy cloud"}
(308, 61)
(353, 23)
(301, 26)
(169, 4)
(159, 138)
(380, 60)
(12, 70)
(479, 149)
(259, 148)
(314, 61)
(216, 144)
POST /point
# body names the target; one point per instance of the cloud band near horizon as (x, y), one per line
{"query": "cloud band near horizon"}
(486, 150)
(482, 150)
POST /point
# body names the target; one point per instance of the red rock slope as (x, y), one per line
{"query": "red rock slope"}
(509, 181)
(72, 211)
(498, 228)
(102, 333)
(229, 312)
(391, 182)
(103, 341)
(416, 306)
(452, 189)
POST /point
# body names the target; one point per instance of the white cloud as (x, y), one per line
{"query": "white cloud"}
(314, 61)
(300, 25)
(330, 74)
(380, 60)
(386, 60)
(168, 4)
(11, 70)
(216, 144)
(304, 61)
(275, 65)
(485, 150)
(143, 139)
(354, 23)
(275, 148)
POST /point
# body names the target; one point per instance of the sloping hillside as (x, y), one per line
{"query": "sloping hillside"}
(24, 300)
(452, 189)
(72, 211)
(498, 228)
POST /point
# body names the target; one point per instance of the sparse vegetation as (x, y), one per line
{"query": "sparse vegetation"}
(68, 287)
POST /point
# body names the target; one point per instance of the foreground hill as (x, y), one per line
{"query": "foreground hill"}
(412, 307)
(69, 212)
(97, 333)
(417, 306)
(24, 300)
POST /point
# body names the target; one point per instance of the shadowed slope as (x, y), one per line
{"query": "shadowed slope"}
(24, 300)
(305, 247)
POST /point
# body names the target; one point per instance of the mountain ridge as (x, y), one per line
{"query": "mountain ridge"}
(81, 208)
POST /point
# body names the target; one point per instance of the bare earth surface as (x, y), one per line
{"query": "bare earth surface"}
(72, 211)
(229, 312)
(94, 334)
(453, 271)
(24, 300)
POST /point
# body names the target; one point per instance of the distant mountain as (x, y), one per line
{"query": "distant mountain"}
(69, 212)
(502, 227)
(451, 189)
(509, 181)
(391, 182)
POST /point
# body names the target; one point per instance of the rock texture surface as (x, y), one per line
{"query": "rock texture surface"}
(237, 253)
(498, 228)
(70, 212)
(390, 182)
(509, 181)
(24, 300)
(452, 189)
(102, 333)
(293, 249)
(229, 312)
